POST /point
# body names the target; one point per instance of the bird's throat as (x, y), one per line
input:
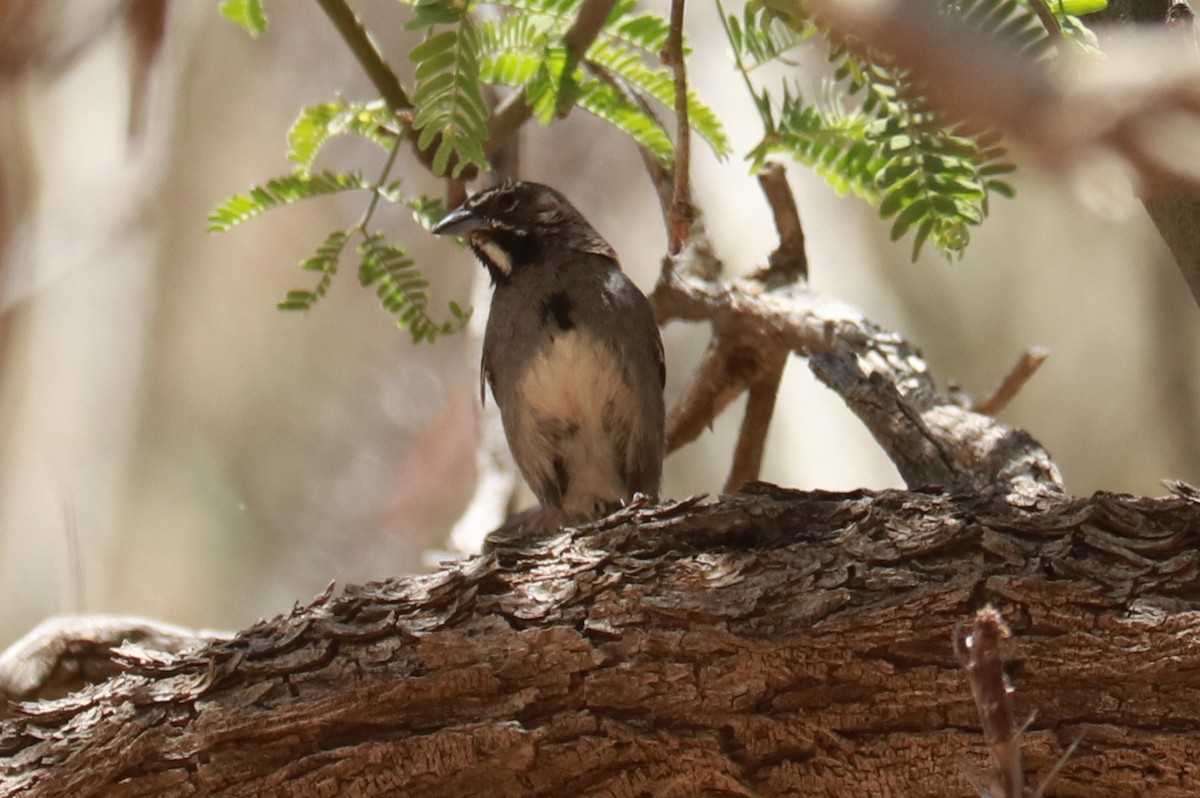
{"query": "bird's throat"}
(504, 251)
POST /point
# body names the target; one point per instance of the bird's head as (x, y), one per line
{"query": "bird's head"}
(512, 225)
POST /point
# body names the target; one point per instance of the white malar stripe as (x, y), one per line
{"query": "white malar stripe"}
(497, 256)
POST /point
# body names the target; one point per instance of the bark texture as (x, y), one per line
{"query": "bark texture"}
(770, 643)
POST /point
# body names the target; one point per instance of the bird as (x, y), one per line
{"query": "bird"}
(571, 351)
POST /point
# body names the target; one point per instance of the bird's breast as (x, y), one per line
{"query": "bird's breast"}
(576, 378)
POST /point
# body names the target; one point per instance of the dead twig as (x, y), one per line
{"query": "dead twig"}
(981, 657)
(1012, 382)
(979, 654)
(724, 372)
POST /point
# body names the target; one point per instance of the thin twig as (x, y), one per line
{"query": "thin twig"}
(507, 119)
(1048, 20)
(724, 372)
(1012, 382)
(760, 406)
(682, 213)
(788, 264)
(377, 194)
(586, 27)
(789, 261)
(369, 58)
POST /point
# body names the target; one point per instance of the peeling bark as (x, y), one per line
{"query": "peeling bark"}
(771, 643)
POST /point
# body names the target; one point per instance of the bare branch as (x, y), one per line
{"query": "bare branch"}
(355, 35)
(760, 406)
(682, 213)
(724, 372)
(883, 379)
(506, 120)
(789, 260)
(1031, 360)
(586, 27)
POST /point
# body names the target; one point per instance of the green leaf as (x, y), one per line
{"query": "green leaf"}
(247, 14)
(659, 84)
(525, 50)
(401, 289)
(762, 35)
(1078, 8)
(323, 261)
(450, 109)
(317, 124)
(894, 149)
(280, 191)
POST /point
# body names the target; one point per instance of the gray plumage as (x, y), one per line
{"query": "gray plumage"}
(572, 352)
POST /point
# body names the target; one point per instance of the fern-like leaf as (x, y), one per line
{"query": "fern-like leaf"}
(448, 97)
(835, 143)
(427, 211)
(281, 191)
(317, 124)
(762, 35)
(658, 83)
(928, 176)
(645, 31)
(524, 49)
(401, 289)
(323, 261)
(249, 15)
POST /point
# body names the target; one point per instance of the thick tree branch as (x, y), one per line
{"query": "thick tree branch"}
(882, 378)
(774, 643)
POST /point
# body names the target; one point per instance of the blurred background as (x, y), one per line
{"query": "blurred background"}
(172, 446)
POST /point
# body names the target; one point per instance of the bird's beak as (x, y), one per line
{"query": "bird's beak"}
(458, 221)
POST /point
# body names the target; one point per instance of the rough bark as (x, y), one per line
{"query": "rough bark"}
(771, 643)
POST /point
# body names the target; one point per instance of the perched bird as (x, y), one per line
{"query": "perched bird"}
(571, 351)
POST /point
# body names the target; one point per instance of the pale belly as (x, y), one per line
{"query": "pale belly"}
(573, 425)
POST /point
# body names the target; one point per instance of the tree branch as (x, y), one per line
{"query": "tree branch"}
(1031, 360)
(756, 421)
(789, 260)
(682, 213)
(773, 643)
(355, 35)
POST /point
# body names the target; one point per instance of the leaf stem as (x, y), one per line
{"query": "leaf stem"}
(768, 120)
(375, 193)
